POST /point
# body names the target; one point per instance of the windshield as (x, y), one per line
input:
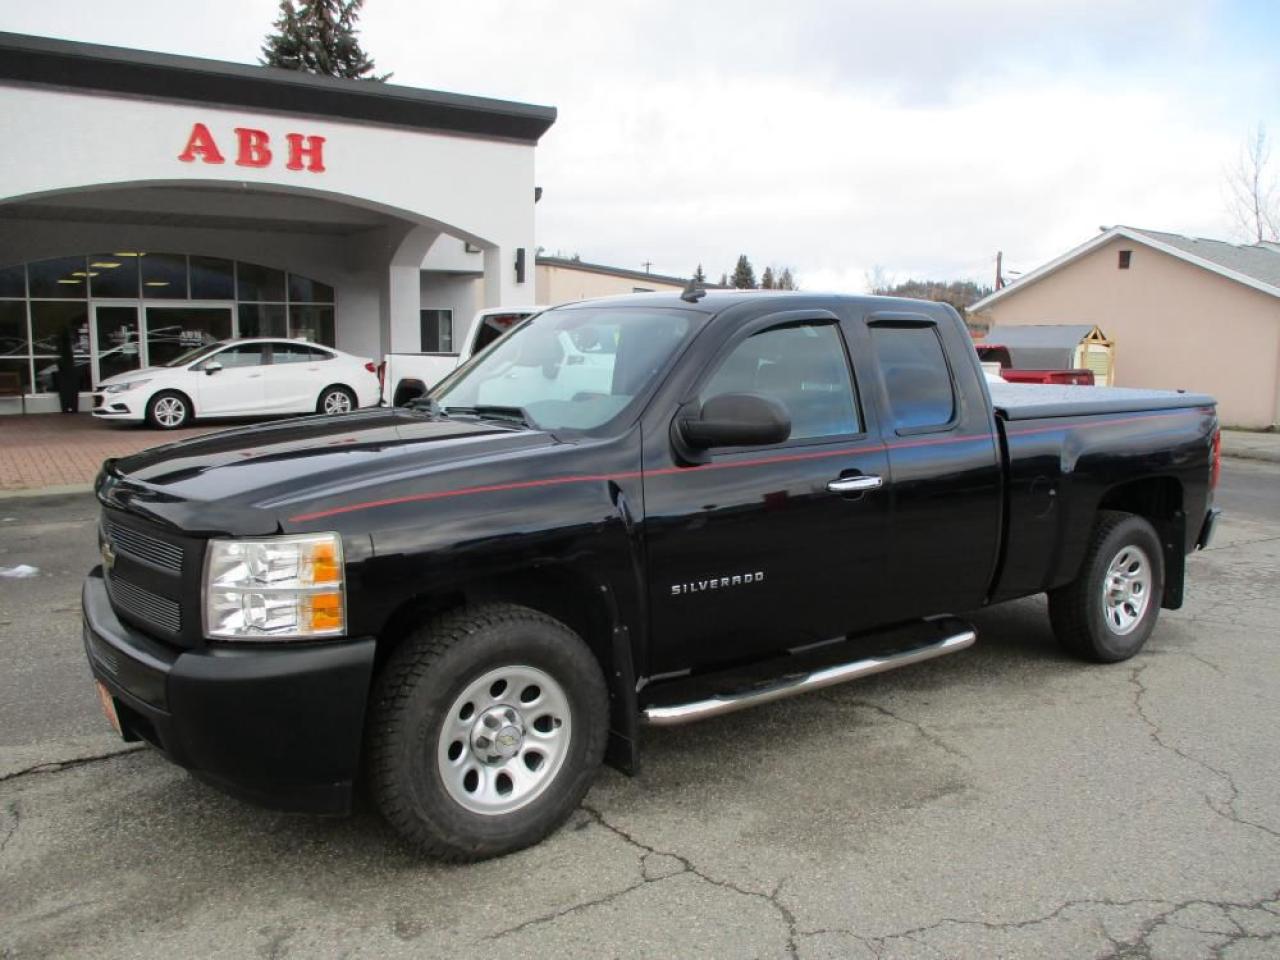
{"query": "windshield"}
(194, 354)
(572, 369)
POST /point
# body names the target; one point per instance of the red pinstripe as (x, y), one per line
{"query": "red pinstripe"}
(724, 465)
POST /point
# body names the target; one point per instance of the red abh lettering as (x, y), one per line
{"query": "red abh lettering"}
(310, 147)
(253, 149)
(200, 144)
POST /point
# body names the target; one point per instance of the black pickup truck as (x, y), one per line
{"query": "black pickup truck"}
(649, 509)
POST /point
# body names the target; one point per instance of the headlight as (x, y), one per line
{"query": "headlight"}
(122, 387)
(274, 588)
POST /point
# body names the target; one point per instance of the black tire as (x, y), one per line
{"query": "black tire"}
(1082, 618)
(414, 698)
(169, 410)
(329, 394)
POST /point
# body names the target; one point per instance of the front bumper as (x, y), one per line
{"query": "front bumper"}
(278, 726)
(108, 406)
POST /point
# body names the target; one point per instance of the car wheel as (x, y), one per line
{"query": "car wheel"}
(336, 400)
(488, 726)
(1107, 613)
(168, 410)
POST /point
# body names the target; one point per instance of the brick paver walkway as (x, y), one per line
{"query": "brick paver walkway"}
(55, 450)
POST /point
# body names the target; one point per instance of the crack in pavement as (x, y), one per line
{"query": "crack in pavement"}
(16, 814)
(1156, 733)
(916, 725)
(57, 766)
(686, 867)
(1131, 949)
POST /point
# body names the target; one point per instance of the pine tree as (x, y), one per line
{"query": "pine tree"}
(787, 280)
(724, 280)
(744, 277)
(766, 279)
(319, 36)
(699, 276)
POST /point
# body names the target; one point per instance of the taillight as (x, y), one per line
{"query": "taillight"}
(368, 365)
(1216, 470)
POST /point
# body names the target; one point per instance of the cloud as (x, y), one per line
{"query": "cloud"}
(920, 136)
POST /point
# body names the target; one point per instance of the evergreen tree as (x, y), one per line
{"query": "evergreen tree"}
(319, 36)
(724, 280)
(699, 276)
(744, 277)
(766, 279)
(787, 280)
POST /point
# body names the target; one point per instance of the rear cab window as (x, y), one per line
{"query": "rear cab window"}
(917, 378)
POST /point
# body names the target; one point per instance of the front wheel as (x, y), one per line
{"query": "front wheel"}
(1107, 613)
(336, 400)
(488, 726)
(168, 410)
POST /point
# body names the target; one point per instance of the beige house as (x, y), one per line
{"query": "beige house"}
(561, 280)
(1183, 312)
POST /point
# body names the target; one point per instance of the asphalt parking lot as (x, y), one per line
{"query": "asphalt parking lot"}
(1003, 802)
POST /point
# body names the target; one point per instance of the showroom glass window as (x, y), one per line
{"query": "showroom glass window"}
(121, 309)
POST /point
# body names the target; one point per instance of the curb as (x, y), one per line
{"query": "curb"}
(53, 491)
(1256, 456)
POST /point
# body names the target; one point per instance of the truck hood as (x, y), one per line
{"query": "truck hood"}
(240, 481)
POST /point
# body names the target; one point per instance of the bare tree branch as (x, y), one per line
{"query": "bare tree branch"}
(1253, 199)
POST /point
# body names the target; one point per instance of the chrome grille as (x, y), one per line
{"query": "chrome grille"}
(131, 599)
(144, 547)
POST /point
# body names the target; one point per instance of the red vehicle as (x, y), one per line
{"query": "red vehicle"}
(995, 353)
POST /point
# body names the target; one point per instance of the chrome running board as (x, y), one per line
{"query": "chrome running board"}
(790, 686)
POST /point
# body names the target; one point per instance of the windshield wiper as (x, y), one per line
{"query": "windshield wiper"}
(493, 411)
(429, 404)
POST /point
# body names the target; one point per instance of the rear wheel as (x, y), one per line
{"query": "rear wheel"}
(1107, 613)
(336, 400)
(168, 410)
(487, 728)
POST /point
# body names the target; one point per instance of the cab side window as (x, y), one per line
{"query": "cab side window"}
(915, 371)
(801, 366)
(244, 355)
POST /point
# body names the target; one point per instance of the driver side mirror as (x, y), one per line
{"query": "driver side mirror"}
(736, 420)
(212, 367)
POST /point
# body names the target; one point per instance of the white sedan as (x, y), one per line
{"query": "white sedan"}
(240, 378)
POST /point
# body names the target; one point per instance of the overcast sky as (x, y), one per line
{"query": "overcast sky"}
(834, 137)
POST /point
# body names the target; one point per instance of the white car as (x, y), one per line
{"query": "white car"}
(240, 378)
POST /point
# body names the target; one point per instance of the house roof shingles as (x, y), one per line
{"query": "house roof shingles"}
(1261, 261)
(1254, 265)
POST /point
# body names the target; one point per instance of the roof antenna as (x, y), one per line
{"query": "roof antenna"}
(694, 292)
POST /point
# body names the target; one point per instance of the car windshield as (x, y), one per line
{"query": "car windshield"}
(572, 369)
(195, 354)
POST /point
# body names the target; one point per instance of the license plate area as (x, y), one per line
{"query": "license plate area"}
(108, 704)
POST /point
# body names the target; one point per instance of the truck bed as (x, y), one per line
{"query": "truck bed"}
(1028, 401)
(1067, 446)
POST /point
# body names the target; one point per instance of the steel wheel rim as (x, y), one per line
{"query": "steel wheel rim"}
(169, 411)
(1126, 589)
(504, 739)
(337, 402)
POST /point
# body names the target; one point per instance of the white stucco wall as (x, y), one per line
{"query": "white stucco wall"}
(461, 294)
(421, 197)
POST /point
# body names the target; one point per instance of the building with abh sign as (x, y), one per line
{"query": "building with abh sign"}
(150, 203)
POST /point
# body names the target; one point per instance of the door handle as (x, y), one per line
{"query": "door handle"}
(859, 484)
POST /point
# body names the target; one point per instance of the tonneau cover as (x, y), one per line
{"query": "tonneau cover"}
(1031, 401)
